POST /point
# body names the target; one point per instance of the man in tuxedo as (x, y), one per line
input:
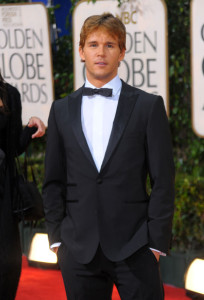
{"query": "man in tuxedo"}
(104, 140)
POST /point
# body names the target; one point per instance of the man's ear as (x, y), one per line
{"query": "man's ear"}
(81, 53)
(122, 54)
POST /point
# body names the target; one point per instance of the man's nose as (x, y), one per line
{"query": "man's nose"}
(101, 50)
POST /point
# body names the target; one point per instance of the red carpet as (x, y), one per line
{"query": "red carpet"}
(43, 284)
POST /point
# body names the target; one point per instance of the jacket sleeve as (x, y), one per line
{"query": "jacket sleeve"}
(21, 136)
(161, 171)
(55, 180)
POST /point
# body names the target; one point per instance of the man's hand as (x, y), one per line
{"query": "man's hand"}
(36, 122)
(55, 249)
(156, 254)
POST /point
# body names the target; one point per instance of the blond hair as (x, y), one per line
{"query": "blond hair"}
(107, 22)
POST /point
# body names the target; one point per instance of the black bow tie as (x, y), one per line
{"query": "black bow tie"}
(103, 91)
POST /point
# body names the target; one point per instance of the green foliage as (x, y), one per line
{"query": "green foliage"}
(62, 58)
(63, 66)
(188, 222)
(188, 148)
(35, 158)
(36, 154)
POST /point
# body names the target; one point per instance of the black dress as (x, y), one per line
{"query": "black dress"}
(13, 140)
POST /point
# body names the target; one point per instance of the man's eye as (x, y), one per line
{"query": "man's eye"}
(109, 46)
(93, 45)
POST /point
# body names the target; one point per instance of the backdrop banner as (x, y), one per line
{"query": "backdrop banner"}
(197, 66)
(25, 56)
(146, 61)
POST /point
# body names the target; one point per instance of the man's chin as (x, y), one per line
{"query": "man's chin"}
(103, 77)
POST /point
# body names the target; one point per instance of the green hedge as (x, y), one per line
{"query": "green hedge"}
(188, 148)
(188, 222)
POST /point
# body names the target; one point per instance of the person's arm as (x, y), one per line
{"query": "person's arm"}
(161, 170)
(22, 136)
(54, 188)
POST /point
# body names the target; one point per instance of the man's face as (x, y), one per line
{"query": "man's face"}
(102, 55)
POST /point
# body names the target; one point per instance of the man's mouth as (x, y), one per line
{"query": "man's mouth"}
(101, 63)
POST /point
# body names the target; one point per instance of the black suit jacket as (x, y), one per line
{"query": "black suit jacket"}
(84, 207)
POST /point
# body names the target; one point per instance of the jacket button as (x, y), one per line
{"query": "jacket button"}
(99, 180)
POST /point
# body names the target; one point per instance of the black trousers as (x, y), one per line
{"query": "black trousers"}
(136, 278)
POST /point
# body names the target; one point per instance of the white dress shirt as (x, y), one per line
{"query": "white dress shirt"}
(97, 116)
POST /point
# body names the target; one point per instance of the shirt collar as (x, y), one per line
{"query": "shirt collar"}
(115, 84)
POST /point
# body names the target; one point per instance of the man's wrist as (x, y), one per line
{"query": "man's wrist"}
(160, 253)
(54, 247)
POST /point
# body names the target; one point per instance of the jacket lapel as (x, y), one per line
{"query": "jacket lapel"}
(126, 104)
(75, 115)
